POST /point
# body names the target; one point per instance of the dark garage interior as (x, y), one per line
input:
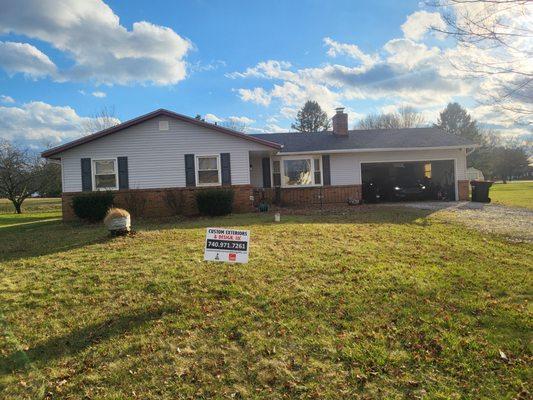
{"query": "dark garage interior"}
(408, 181)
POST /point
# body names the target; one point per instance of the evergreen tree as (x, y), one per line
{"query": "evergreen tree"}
(455, 119)
(311, 118)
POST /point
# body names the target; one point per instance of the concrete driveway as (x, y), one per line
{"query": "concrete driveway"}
(516, 223)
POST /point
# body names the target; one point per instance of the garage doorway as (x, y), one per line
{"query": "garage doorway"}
(408, 181)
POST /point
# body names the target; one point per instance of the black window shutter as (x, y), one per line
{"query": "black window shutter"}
(225, 165)
(325, 170)
(190, 177)
(123, 178)
(266, 172)
(86, 175)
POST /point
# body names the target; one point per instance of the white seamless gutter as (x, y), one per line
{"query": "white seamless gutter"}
(374, 150)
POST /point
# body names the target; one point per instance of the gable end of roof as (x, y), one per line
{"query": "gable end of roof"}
(117, 128)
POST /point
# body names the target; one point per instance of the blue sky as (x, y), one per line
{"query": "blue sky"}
(253, 61)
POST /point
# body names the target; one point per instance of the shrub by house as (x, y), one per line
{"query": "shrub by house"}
(92, 206)
(215, 202)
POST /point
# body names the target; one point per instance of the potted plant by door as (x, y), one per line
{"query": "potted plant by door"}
(118, 221)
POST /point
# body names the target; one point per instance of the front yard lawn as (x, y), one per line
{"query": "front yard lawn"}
(513, 194)
(378, 303)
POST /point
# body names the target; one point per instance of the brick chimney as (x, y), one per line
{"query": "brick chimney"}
(340, 122)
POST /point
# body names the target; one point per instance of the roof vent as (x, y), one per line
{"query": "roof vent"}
(163, 125)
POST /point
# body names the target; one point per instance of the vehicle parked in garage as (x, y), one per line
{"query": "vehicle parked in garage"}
(408, 189)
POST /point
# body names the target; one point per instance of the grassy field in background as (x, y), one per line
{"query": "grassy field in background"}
(378, 303)
(513, 194)
(32, 205)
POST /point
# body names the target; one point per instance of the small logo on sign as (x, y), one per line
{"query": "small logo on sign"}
(232, 256)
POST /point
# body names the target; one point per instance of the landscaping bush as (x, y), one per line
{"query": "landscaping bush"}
(92, 206)
(135, 202)
(174, 201)
(215, 202)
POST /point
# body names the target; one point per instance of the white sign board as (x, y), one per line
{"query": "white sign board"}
(230, 245)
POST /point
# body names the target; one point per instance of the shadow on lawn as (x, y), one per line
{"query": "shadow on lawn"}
(34, 238)
(80, 339)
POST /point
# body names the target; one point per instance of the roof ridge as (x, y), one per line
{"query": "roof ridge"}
(146, 117)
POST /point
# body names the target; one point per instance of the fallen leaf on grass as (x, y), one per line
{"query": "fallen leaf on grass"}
(503, 356)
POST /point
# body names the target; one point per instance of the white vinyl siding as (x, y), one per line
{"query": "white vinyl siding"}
(156, 158)
(346, 168)
(343, 169)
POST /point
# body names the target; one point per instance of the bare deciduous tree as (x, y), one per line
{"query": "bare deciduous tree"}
(405, 117)
(100, 120)
(495, 39)
(21, 174)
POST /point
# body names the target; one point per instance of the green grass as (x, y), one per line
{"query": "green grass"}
(378, 303)
(513, 194)
(32, 205)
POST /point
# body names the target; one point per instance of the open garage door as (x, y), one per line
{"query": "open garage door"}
(412, 180)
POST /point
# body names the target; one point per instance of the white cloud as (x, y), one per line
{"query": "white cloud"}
(418, 80)
(212, 118)
(103, 50)
(351, 50)
(269, 128)
(257, 95)
(405, 52)
(6, 99)
(408, 72)
(266, 69)
(420, 22)
(38, 121)
(26, 59)
(99, 94)
(274, 128)
(241, 120)
(212, 66)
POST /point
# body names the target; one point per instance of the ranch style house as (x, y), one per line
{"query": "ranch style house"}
(164, 151)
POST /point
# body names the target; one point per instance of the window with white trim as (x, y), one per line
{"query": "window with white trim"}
(105, 176)
(301, 172)
(208, 170)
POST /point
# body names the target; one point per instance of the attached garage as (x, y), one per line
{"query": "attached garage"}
(409, 180)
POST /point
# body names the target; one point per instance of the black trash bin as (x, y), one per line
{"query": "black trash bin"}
(480, 191)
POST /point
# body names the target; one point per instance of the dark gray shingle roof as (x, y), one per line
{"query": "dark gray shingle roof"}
(366, 139)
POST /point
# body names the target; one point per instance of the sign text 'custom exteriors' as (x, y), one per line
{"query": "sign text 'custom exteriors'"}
(230, 245)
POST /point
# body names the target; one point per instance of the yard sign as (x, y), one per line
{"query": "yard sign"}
(230, 245)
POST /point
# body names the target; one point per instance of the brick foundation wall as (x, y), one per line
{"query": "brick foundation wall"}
(311, 195)
(464, 189)
(156, 204)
